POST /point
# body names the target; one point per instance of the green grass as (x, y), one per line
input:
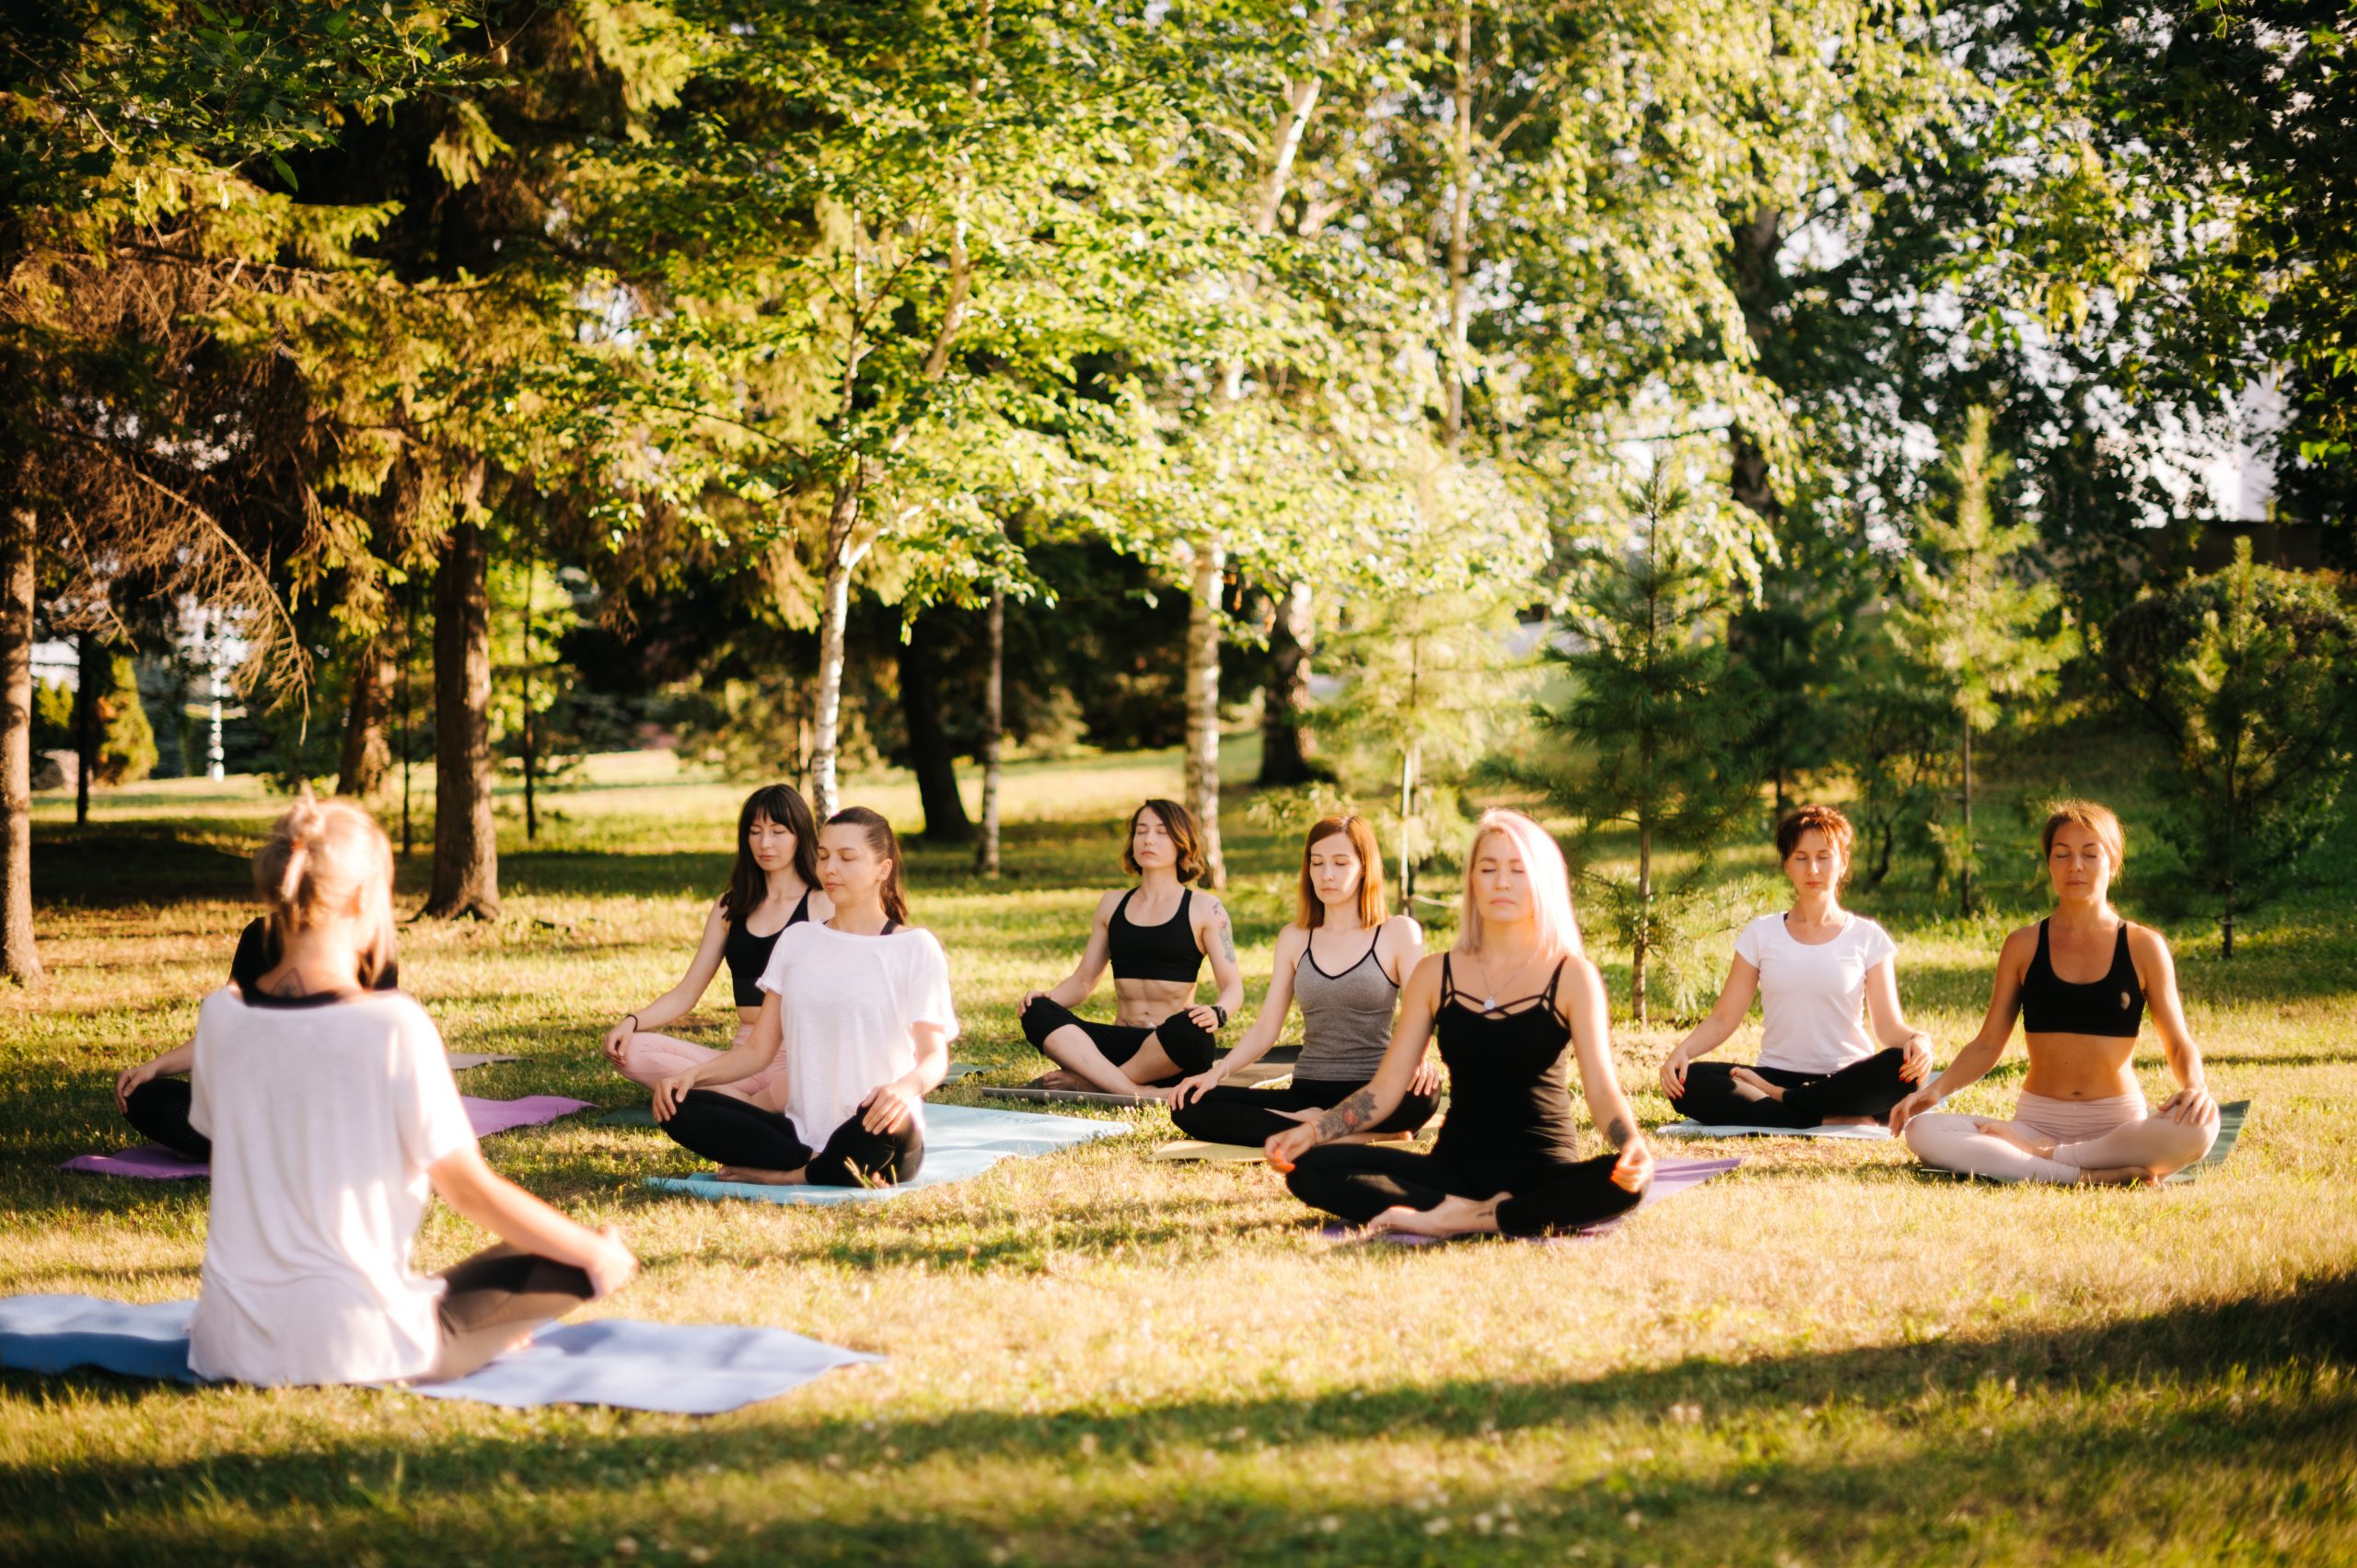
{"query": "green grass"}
(1094, 1358)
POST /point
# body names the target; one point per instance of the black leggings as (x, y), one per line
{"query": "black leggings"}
(1359, 1181)
(1185, 1041)
(1235, 1114)
(158, 1108)
(1863, 1088)
(729, 1131)
(493, 1297)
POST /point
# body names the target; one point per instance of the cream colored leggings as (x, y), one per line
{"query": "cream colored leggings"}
(2089, 1134)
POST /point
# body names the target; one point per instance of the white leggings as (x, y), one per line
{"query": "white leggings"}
(648, 1058)
(2089, 1134)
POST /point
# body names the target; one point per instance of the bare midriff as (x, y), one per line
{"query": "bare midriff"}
(2075, 1066)
(1142, 1003)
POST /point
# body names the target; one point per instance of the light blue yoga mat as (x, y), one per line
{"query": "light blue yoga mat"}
(960, 1141)
(684, 1368)
(1733, 1130)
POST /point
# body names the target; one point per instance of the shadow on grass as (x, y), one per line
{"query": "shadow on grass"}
(1746, 1472)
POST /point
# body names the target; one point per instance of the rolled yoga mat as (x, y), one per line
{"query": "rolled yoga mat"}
(2230, 1132)
(1671, 1179)
(685, 1368)
(151, 1162)
(960, 1141)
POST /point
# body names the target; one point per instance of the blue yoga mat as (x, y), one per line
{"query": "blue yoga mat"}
(685, 1368)
(960, 1141)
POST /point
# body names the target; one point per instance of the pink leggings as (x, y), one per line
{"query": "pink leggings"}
(648, 1058)
(2088, 1134)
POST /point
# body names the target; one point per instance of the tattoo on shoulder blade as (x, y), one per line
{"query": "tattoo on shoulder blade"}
(1348, 1117)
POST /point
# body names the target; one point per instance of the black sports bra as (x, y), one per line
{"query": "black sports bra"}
(1509, 1085)
(748, 955)
(2112, 1008)
(1154, 952)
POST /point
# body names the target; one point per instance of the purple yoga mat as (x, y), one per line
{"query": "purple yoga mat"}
(1671, 1179)
(151, 1162)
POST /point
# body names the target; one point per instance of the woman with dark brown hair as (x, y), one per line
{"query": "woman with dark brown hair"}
(1816, 968)
(772, 885)
(1343, 958)
(1156, 936)
(850, 1060)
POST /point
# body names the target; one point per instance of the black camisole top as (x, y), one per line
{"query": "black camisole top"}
(1154, 952)
(748, 955)
(1509, 1088)
(2112, 1008)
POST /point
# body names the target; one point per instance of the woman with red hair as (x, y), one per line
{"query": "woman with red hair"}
(1343, 959)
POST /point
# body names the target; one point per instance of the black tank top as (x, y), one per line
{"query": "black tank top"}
(1509, 1092)
(2112, 1008)
(257, 954)
(1154, 952)
(748, 955)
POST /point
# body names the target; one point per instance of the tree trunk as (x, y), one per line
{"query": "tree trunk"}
(92, 670)
(1203, 704)
(466, 845)
(1637, 949)
(1282, 760)
(931, 756)
(1408, 761)
(531, 736)
(408, 704)
(1757, 290)
(368, 753)
(1460, 222)
(834, 611)
(1966, 908)
(19, 547)
(993, 734)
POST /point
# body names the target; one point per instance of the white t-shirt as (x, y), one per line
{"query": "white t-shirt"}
(324, 1114)
(849, 1004)
(1812, 999)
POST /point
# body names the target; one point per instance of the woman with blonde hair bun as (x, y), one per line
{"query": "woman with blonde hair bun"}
(333, 1118)
(1508, 1158)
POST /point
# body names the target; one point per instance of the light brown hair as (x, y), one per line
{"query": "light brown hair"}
(1816, 819)
(886, 845)
(2097, 819)
(1373, 907)
(1185, 837)
(323, 857)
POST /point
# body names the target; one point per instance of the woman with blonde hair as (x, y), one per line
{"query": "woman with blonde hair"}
(2082, 1116)
(1342, 957)
(333, 1118)
(1508, 1158)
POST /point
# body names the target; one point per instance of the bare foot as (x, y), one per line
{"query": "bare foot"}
(2120, 1176)
(1450, 1217)
(1751, 1086)
(755, 1176)
(1852, 1122)
(2021, 1138)
(1374, 1138)
(1063, 1080)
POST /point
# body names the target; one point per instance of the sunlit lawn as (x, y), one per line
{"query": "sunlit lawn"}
(1094, 1358)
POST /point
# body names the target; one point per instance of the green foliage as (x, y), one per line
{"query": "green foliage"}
(2248, 676)
(1657, 716)
(1976, 630)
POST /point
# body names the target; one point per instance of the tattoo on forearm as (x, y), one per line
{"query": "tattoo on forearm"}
(1348, 1117)
(1620, 1131)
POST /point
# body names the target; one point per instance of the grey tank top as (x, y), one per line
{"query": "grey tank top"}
(1345, 1018)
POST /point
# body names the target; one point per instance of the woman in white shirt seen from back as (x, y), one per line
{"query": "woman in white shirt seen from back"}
(857, 1021)
(333, 1118)
(1816, 968)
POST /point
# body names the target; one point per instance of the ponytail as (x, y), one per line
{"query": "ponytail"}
(887, 847)
(329, 855)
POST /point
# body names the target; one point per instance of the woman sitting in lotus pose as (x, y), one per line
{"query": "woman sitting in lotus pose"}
(1811, 968)
(772, 885)
(1156, 935)
(1343, 957)
(1511, 1002)
(2080, 980)
(853, 1032)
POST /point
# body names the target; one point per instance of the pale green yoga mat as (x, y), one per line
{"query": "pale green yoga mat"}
(642, 1116)
(2230, 1128)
